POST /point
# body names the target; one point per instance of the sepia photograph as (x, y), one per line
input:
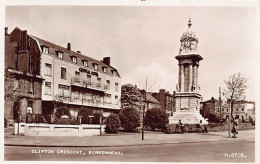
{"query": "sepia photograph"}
(141, 82)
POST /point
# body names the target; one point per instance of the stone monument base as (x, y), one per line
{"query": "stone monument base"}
(187, 118)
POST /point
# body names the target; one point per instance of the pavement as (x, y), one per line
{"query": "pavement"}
(122, 139)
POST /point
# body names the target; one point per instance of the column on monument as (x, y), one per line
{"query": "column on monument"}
(179, 83)
(195, 77)
(190, 76)
(182, 78)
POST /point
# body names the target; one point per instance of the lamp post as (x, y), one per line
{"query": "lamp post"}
(143, 114)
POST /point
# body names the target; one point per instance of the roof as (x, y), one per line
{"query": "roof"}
(151, 99)
(67, 54)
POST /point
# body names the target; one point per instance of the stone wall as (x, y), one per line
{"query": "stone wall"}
(20, 88)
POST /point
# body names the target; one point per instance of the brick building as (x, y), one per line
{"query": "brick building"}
(70, 79)
(212, 106)
(167, 100)
(150, 100)
(23, 83)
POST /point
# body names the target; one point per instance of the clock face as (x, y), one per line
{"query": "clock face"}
(186, 42)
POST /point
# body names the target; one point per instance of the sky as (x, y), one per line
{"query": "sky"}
(143, 41)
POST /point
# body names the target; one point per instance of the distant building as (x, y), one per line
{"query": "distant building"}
(150, 100)
(23, 82)
(243, 110)
(211, 106)
(166, 100)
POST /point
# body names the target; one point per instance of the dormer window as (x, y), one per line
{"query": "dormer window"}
(105, 69)
(113, 72)
(85, 63)
(45, 50)
(95, 66)
(60, 54)
(74, 59)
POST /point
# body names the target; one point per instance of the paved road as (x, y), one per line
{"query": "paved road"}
(220, 151)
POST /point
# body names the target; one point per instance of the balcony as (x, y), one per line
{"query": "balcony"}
(76, 81)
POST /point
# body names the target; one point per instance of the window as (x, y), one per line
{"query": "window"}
(85, 62)
(48, 69)
(76, 95)
(116, 87)
(113, 72)
(74, 59)
(95, 66)
(88, 96)
(116, 98)
(108, 85)
(64, 90)
(243, 109)
(45, 50)
(60, 55)
(98, 82)
(104, 69)
(31, 86)
(63, 73)
(237, 109)
(29, 107)
(107, 98)
(47, 88)
(77, 73)
(227, 110)
(88, 79)
(77, 76)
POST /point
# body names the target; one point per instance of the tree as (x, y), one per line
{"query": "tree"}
(236, 86)
(130, 118)
(112, 123)
(156, 118)
(212, 117)
(63, 110)
(97, 117)
(131, 96)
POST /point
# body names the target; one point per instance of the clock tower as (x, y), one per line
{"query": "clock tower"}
(187, 95)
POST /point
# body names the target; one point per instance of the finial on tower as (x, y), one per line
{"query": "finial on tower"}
(189, 24)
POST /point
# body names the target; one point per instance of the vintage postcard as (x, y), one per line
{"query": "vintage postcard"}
(130, 81)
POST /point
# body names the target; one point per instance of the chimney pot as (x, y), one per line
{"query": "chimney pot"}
(69, 46)
(79, 52)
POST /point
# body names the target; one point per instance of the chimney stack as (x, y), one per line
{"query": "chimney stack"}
(106, 60)
(68, 46)
(6, 30)
(23, 40)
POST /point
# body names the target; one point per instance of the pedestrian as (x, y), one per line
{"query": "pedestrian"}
(203, 127)
(235, 128)
(181, 126)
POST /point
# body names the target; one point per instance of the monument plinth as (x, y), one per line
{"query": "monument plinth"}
(187, 95)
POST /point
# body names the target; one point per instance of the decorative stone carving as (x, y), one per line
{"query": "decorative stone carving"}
(189, 41)
(193, 87)
(178, 87)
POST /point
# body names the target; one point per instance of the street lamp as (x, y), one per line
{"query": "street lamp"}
(143, 114)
